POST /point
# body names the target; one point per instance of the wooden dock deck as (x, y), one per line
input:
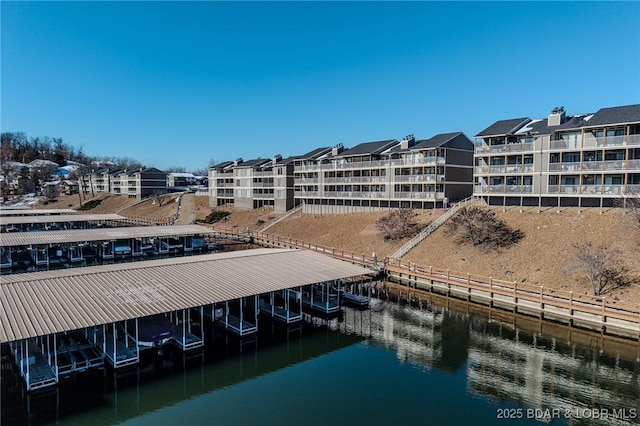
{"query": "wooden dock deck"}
(597, 313)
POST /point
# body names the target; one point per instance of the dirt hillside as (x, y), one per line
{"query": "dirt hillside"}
(542, 257)
(545, 255)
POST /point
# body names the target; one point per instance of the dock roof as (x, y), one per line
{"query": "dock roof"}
(60, 218)
(42, 303)
(5, 211)
(106, 234)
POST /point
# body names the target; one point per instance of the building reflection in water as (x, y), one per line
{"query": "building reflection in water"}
(501, 362)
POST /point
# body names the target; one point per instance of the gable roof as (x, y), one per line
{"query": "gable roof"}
(311, 155)
(435, 141)
(369, 148)
(221, 165)
(504, 127)
(615, 115)
(253, 163)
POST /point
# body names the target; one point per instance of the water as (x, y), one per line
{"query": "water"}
(393, 364)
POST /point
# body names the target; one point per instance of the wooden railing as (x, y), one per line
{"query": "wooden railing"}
(604, 307)
(263, 238)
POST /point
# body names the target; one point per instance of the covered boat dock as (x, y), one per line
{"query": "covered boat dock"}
(45, 249)
(61, 222)
(104, 303)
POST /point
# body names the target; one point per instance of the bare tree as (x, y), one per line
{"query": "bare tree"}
(602, 266)
(159, 197)
(398, 224)
(631, 203)
(481, 227)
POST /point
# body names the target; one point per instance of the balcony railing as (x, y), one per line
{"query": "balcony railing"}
(359, 179)
(306, 181)
(590, 166)
(509, 147)
(429, 178)
(503, 189)
(354, 194)
(597, 142)
(417, 195)
(262, 195)
(586, 189)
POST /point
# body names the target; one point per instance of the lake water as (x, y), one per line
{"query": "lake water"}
(392, 364)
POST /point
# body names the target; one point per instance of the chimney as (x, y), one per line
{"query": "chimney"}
(337, 149)
(237, 161)
(407, 142)
(276, 158)
(557, 117)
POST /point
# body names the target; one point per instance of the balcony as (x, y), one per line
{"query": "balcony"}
(355, 194)
(309, 194)
(262, 195)
(597, 142)
(306, 181)
(429, 178)
(359, 179)
(503, 189)
(565, 167)
(420, 196)
(586, 189)
(591, 166)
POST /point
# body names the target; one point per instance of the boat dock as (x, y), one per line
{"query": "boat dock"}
(56, 321)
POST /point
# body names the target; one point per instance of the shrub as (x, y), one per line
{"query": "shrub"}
(90, 205)
(481, 227)
(215, 216)
(398, 224)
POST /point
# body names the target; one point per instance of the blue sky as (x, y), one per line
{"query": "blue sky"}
(178, 84)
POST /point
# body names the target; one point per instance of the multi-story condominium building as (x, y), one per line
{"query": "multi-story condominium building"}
(221, 183)
(135, 183)
(386, 174)
(181, 179)
(253, 184)
(582, 160)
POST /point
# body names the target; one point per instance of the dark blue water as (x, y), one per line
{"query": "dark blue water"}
(393, 364)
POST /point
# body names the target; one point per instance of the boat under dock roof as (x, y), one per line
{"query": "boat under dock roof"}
(41, 303)
(12, 239)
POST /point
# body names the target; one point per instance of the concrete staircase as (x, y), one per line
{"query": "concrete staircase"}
(431, 227)
(284, 216)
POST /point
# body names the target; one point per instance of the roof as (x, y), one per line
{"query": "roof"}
(435, 142)
(288, 160)
(311, 155)
(59, 218)
(22, 211)
(43, 303)
(369, 148)
(504, 127)
(253, 163)
(615, 115)
(108, 234)
(179, 174)
(221, 165)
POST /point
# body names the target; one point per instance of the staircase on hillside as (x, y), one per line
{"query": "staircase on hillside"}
(284, 216)
(431, 227)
